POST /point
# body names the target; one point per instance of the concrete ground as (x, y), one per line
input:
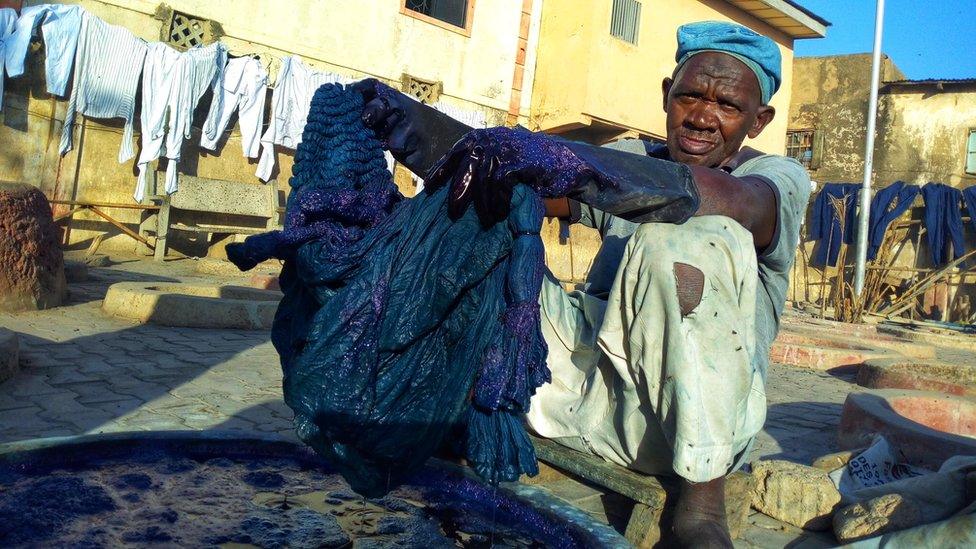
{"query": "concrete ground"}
(84, 372)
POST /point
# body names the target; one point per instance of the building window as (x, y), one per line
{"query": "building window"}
(186, 31)
(971, 153)
(625, 20)
(805, 146)
(452, 12)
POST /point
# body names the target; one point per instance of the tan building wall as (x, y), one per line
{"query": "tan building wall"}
(349, 37)
(595, 85)
(924, 135)
(830, 96)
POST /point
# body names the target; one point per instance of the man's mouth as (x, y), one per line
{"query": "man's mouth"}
(691, 145)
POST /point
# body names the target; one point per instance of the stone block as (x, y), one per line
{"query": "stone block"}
(797, 494)
(831, 462)
(887, 513)
(31, 262)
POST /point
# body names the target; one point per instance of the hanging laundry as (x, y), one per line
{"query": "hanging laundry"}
(8, 22)
(969, 197)
(899, 194)
(59, 25)
(172, 84)
(401, 330)
(107, 66)
(825, 222)
(245, 88)
(943, 222)
(294, 87)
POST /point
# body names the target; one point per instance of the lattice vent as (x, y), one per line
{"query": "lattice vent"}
(427, 91)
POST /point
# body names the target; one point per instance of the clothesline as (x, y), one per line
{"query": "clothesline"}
(108, 62)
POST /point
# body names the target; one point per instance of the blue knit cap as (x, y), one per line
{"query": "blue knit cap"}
(758, 52)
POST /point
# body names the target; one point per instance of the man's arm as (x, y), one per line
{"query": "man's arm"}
(748, 200)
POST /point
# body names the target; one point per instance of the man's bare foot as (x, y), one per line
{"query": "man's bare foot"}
(699, 516)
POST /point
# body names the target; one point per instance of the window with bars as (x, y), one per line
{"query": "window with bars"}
(971, 152)
(805, 146)
(186, 31)
(426, 91)
(452, 12)
(625, 20)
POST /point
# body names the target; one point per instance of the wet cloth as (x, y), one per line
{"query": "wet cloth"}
(60, 25)
(887, 205)
(633, 380)
(8, 22)
(943, 222)
(245, 89)
(294, 87)
(400, 330)
(825, 224)
(969, 197)
(172, 84)
(108, 62)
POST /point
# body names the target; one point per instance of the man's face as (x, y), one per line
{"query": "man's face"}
(713, 103)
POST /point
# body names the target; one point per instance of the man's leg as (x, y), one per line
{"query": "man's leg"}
(679, 331)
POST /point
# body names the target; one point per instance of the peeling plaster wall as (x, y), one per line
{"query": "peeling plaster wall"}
(830, 94)
(924, 134)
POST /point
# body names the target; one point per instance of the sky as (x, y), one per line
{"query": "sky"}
(925, 38)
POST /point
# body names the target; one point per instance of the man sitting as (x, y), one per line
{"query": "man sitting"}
(659, 364)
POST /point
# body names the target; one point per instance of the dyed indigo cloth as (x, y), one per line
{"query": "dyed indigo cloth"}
(969, 197)
(401, 330)
(825, 222)
(943, 222)
(886, 206)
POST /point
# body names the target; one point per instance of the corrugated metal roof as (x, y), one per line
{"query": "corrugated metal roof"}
(931, 81)
(785, 15)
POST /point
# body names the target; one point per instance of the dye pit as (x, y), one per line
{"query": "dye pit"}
(168, 500)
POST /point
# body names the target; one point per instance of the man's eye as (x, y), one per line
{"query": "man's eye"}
(729, 107)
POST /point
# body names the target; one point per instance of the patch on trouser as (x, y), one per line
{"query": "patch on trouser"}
(646, 384)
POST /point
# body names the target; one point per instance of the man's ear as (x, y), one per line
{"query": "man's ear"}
(665, 90)
(763, 117)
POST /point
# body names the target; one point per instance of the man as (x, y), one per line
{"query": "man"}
(660, 364)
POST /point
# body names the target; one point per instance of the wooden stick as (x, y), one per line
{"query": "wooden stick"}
(905, 300)
(105, 204)
(121, 227)
(69, 213)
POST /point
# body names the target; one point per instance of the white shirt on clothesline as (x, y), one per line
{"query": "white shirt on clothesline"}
(172, 85)
(245, 88)
(60, 25)
(8, 21)
(290, 103)
(107, 66)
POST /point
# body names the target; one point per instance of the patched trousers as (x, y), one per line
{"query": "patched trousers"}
(646, 381)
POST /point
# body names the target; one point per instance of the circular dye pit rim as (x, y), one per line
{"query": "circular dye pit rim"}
(41, 455)
(911, 420)
(923, 375)
(193, 305)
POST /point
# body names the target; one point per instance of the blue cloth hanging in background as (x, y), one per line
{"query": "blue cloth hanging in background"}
(825, 223)
(943, 222)
(881, 216)
(969, 196)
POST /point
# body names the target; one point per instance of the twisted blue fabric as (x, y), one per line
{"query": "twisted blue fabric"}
(943, 222)
(825, 223)
(399, 329)
(886, 206)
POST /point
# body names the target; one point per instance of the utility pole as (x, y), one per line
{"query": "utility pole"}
(865, 209)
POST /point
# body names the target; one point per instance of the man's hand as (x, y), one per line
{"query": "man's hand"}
(485, 166)
(386, 114)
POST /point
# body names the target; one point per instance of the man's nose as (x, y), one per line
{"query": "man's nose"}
(703, 116)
